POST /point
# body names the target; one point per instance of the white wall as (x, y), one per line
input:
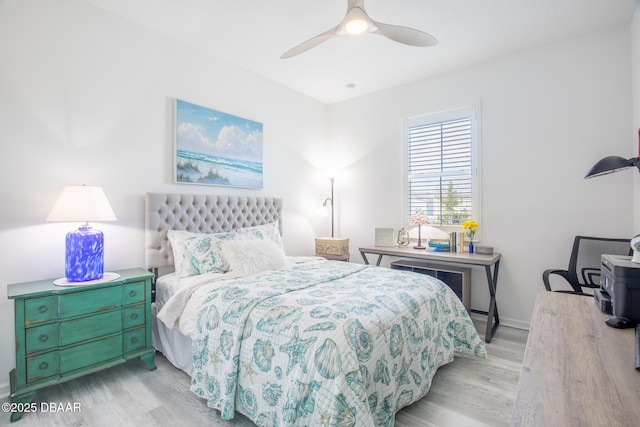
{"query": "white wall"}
(547, 116)
(87, 97)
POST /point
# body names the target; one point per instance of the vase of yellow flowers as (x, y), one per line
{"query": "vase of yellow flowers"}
(419, 218)
(471, 227)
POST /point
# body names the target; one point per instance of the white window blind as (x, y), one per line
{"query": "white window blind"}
(440, 166)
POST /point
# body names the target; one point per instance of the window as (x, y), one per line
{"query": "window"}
(442, 165)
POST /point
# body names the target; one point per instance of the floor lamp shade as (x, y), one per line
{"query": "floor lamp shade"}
(84, 251)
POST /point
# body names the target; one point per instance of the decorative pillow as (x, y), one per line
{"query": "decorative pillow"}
(249, 256)
(206, 255)
(269, 231)
(181, 258)
(205, 252)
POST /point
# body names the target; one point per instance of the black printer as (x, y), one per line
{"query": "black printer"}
(620, 279)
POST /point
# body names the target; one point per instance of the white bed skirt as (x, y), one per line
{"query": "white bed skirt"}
(171, 343)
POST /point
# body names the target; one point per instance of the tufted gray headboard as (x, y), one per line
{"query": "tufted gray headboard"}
(200, 214)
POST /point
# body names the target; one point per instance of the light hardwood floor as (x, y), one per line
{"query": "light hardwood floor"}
(466, 392)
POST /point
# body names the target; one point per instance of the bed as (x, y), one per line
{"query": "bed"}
(291, 340)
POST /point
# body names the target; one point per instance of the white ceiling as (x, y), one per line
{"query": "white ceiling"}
(253, 35)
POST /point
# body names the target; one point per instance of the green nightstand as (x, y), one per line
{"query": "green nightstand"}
(64, 333)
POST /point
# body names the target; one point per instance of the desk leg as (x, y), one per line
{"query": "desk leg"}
(493, 320)
(366, 261)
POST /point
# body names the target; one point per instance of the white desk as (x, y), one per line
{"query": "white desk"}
(461, 258)
(577, 371)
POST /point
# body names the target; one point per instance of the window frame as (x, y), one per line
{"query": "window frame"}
(473, 112)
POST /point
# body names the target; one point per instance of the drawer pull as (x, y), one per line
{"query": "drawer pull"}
(43, 338)
(43, 366)
(134, 340)
(133, 293)
(134, 316)
(43, 308)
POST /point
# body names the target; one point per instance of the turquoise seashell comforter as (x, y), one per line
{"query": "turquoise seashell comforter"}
(327, 344)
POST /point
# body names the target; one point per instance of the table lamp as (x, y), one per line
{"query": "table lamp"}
(84, 259)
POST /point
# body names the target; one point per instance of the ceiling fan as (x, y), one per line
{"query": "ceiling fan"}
(356, 21)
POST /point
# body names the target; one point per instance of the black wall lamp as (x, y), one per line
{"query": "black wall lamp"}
(611, 164)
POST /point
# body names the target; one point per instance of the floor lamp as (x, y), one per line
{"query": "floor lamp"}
(322, 210)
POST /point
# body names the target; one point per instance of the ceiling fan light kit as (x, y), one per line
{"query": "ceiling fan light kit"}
(356, 26)
(356, 21)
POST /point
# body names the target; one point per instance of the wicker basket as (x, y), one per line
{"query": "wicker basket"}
(332, 246)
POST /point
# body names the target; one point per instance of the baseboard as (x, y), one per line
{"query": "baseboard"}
(4, 390)
(512, 323)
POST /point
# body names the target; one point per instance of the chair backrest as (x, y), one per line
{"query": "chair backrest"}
(584, 265)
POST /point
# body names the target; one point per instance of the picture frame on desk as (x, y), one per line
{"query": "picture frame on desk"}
(384, 237)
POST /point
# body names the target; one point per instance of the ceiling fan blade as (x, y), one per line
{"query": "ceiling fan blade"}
(305, 46)
(405, 35)
(357, 21)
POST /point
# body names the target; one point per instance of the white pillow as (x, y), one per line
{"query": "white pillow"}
(181, 258)
(249, 256)
(269, 231)
(205, 251)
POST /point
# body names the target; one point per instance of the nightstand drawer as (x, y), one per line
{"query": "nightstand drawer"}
(42, 366)
(38, 310)
(134, 340)
(84, 302)
(41, 338)
(76, 330)
(133, 316)
(133, 293)
(83, 355)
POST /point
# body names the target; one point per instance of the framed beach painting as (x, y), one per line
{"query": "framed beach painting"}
(216, 148)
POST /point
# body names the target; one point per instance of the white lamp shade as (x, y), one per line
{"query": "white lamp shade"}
(81, 203)
(323, 210)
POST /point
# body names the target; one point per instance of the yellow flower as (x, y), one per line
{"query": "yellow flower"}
(471, 226)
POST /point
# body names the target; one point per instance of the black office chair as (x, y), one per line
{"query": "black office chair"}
(584, 265)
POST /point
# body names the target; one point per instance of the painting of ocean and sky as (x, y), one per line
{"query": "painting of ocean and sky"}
(216, 148)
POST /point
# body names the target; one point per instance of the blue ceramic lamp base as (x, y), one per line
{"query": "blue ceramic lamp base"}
(84, 260)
